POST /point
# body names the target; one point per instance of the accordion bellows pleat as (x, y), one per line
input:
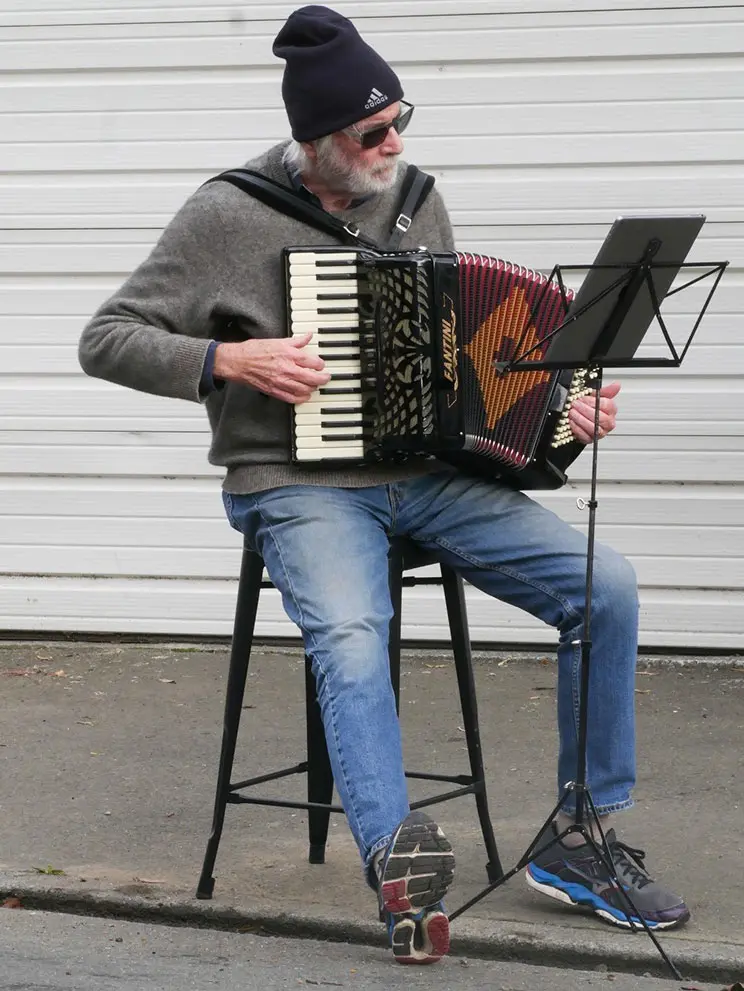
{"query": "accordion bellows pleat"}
(508, 311)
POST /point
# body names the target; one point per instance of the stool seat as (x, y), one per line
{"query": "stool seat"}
(404, 555)
(413, 554)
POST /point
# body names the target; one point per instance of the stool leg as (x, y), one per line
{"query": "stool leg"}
(246, 608)
(454, 595)
(319, 773)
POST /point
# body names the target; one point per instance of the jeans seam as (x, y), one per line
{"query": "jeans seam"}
(319, 664)
(510, 573)
(576, 687)
(394, 499)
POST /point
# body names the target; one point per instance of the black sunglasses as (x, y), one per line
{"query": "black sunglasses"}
(375, 136)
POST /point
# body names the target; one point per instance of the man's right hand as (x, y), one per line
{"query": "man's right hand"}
(278, 367)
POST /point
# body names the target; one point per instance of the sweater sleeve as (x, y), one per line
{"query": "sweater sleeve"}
(153, 335)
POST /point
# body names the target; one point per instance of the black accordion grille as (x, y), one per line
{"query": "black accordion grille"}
(506, 310)
(401, 289)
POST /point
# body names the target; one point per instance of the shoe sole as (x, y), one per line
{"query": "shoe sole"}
(577, 896)
(419, 867)
(433, 939)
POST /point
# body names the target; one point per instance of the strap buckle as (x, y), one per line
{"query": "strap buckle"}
(352, 229)
(403, 222)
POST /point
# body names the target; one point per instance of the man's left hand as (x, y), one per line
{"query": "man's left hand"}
(581, 414)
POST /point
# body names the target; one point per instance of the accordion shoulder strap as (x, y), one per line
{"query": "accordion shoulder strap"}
(281, 198)
(416, 187)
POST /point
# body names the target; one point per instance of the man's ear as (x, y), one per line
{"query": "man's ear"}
(309, 148)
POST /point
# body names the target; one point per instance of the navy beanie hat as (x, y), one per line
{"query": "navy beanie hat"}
(332, 78)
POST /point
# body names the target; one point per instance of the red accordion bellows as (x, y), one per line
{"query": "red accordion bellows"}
(506, 310)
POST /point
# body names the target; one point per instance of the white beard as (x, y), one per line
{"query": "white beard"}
(356, 180)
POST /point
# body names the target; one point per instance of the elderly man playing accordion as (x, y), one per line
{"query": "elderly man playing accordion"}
(218, 264)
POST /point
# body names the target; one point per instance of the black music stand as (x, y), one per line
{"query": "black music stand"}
(619, 299)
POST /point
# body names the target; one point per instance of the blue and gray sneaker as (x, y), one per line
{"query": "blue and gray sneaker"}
(413, 876)
(577, 876)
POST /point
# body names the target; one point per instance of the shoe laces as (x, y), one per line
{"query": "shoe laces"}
(630, 860)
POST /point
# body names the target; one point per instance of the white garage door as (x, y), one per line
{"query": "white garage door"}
(541, 123)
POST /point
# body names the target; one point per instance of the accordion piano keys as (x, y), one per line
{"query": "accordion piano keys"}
(329, 425)
(325, 299)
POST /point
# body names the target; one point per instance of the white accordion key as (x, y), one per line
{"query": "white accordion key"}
(335, 399)
(311, 288)
(332, 322)
(315, 309)
(339, 330)
(324, 257)
(318, 427)
(317, 451)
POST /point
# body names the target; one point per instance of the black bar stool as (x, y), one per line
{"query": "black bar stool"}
(404, 556)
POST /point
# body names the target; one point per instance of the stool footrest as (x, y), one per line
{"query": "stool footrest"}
(281, 803)
(446, 797)
(453, 779)
(272, 776)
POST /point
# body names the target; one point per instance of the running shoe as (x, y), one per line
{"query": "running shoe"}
(578, 876)
(413, 876)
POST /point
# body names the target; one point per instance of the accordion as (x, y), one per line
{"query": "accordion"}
(416, 343)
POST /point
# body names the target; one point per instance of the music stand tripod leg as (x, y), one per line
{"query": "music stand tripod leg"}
(579, 787)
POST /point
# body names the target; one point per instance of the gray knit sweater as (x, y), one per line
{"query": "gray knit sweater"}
(220, 259)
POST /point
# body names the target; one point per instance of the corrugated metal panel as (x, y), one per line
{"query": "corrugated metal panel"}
(177, 608)
(541, 125)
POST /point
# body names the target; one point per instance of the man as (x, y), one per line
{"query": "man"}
(217, 266)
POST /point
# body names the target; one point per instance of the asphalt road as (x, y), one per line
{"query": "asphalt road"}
(48, 952)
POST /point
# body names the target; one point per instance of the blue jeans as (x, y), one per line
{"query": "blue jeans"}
(326, 549)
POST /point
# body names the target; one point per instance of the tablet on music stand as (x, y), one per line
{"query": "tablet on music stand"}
(662, 240)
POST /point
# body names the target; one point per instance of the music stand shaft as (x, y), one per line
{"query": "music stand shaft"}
(586, 639)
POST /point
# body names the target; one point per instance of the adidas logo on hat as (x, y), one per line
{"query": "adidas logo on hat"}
(375, 99)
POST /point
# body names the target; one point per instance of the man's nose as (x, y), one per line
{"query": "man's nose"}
(393, 143)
